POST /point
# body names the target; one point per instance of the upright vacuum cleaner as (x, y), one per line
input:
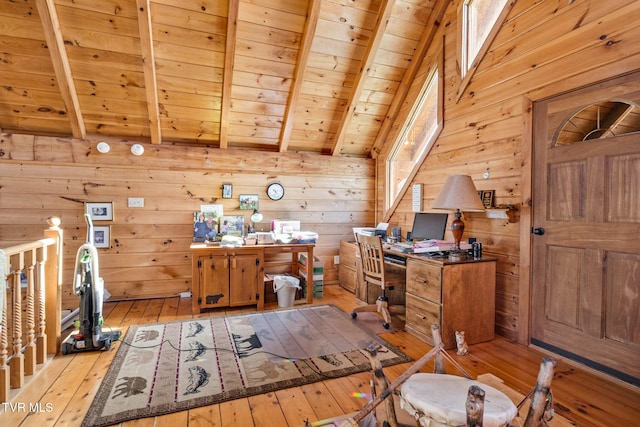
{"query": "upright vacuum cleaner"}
(89, 286)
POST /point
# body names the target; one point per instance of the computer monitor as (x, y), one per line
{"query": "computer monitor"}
(428, 225)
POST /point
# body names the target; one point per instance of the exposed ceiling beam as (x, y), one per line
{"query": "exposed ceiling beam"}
(227, 77)
(386, 7)
(61, 67)
(313, 14)
(435, 18)
(149, 68)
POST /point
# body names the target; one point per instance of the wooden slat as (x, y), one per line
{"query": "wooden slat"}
(53, 35)
(384, 14)
(227, 79)
(299, 73)
(148, 65)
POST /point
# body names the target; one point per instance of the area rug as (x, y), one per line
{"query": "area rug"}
(169, 367)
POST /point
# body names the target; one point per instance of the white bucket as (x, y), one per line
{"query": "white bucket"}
(286, 296)
(286, 287)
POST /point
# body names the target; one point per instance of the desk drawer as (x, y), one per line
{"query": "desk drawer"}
(348, 252)
(347, 278)
(421, 314)
(424, 280)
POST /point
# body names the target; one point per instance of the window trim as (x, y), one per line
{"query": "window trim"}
(466, 75)
(436, 65)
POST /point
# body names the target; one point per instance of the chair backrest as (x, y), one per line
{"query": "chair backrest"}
(372, 258)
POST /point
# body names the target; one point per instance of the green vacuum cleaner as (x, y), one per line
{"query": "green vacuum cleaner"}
(89, 286)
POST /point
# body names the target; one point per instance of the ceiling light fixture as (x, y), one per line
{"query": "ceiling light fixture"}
(103, 147)
(137, 149)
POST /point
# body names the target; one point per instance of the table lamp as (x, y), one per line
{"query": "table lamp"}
(459, 194)
(255, 217)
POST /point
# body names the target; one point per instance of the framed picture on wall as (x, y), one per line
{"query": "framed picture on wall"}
(487, 198)
(249, 201)
(100, 211)
(227, 191)
(232, 225)
(102, 236)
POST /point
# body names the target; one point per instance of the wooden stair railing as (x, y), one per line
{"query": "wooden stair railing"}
(30, 303)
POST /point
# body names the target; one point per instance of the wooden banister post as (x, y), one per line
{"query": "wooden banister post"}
(31, 258)
(16, 363)
(41, 335)
(53, 287)
(4, 368)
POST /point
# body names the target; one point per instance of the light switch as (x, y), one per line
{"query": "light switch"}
(136, 202)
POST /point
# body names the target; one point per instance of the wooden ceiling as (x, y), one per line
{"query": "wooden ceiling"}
(277, 75)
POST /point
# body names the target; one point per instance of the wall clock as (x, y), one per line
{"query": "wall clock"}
(275, 191)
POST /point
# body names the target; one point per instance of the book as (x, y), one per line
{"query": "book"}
(437, 246)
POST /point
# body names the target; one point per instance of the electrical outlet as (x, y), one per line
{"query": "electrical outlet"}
(336, 259)
(185, 294)
(136, 202)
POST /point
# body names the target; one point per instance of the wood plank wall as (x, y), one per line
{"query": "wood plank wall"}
(544, 48)
(149, 254)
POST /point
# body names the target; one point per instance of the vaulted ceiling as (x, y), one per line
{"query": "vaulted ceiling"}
(320, 76)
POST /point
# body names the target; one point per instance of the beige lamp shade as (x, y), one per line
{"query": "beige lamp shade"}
(459, 192)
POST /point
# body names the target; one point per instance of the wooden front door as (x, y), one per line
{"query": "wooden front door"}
(586, 201)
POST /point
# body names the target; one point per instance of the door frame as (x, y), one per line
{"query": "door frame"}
(526, 217)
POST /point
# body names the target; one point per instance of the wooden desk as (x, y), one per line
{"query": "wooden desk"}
(458, 296)
(224, 276)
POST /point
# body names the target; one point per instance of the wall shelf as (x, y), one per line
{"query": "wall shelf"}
(508, 212)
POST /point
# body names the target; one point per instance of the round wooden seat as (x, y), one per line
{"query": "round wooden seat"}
(441, 398)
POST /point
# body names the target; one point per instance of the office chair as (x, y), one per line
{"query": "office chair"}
(372, 258)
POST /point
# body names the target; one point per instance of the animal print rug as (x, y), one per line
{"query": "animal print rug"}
(169, 367)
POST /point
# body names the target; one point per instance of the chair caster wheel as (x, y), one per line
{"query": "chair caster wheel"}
(354, 315)
(385, 325)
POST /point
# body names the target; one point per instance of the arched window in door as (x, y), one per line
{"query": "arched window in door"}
(603, 119)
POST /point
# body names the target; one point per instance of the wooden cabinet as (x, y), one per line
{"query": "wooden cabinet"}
(347, 272)
(234, 276)
(457, 296)
(227, 277)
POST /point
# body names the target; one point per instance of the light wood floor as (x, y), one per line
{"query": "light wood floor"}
(66, 386)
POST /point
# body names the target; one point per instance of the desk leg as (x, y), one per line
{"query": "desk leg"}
(310, 274)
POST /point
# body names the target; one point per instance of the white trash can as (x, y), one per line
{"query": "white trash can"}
(285, 287)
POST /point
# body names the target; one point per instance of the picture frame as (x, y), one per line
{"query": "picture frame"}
(102, 236)
(99, 211)
(232, 225)
(205, 225)
(487, 197)
(227, 191)
(248, 201)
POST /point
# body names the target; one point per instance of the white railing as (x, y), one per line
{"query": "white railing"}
(30, 301)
